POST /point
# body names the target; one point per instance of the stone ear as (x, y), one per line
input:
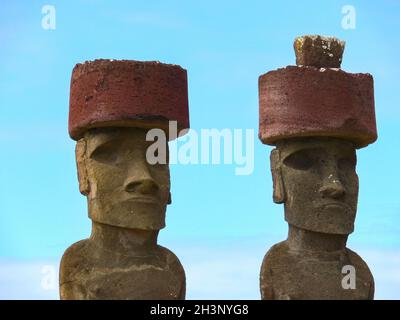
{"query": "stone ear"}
(80, 153)
(277, 179)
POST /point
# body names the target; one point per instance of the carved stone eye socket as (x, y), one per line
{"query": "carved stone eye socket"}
(300, 160)
(347, 163)
(106, 153)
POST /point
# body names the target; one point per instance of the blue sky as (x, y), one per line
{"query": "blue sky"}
(224, 46)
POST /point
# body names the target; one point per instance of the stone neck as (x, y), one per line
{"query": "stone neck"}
(123, 240)
(305, 240)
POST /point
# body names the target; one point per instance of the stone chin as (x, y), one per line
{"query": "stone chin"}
(142, 216)
(325, 221)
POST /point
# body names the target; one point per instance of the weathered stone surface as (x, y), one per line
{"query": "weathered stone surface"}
(127, 93)
(318, 51)
(290, 272)
(305, 101)
(319, 181)
(316, 180)
(127, 199)
(113, 104)
(316, 118)
(118, 263)
(124, 189)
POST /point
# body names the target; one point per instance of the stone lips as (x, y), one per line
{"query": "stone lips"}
(307, 101)
(127, 93)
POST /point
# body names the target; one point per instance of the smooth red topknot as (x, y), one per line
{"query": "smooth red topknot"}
(127, 93)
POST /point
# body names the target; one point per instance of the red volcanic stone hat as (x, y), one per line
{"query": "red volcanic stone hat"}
(127, 93)
(307, 101)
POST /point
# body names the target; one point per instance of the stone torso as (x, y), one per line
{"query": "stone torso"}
(88, 271)
(290, 275)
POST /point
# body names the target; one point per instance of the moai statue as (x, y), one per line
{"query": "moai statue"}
(316, 115)
(113, 104)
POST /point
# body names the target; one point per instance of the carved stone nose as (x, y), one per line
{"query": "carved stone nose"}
(333, 189)
(144, 186)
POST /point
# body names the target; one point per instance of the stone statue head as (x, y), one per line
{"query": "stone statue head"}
(122, 188)
(316, 180)
(316, 115)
